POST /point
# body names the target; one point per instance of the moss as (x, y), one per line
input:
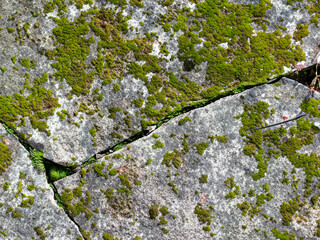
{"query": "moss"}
(164, 210)
(184, 120)
(14, 59)
(301, 32)
(229, 183)
(158, 144)
(40, 233)
(173, 187)
(154, 211)
(165, 231)
(10, 30)
(262, 197)
(113, 172)
(162, 221)
(155, 136)
(98, 168)
(204, 215)
(3, 69)
(108, 236)
(283, 236)
(222, 139)
(203, 179)
(201, 147)
(18, 106)
(113, 112)
(37, 160)
(172, 157)
(248, 208)
(116, 87)
(5, 157)
(287, 210)
(31, 187)
(27, 202)
(149, 162)
(6, 186)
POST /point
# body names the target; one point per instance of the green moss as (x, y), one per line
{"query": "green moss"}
(158, 144)
(5, 157)
(155, 136)
(301, 32)
(248, 208)
(31, 187)
(10, 30)
(184, 120)
(116, 87)
(283, 236)
(173, 187)
(164, 210)
(14, 59)
(201, 147)
(149, 162)
(172, 157)
(3, 69)
(98, 168)
(287, 210)
(26, 203)
(204, 215)
(37, 160)
(203, 179)
(229, 183)
(154, 211)
(222, 139)
(6, 186)
(113, 112)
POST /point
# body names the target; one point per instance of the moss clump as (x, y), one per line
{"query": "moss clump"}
(164, 210)
(287, 210)
(6, 186)
(38, 106)
(184, 120)
(172, 157)
(222, 139)
(173, 187)
(301, 32)
(116, 87)
(40, 233)
(5, 157)
(14, 59)
(201, 147)
(204, 215)
(248, 208)
(158, 144)
(283, 236)
(203, 179)
(229, 183)
(154, 211)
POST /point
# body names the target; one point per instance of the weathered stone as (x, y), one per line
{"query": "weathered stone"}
(27, 207)
(80, 122)
(179, 167)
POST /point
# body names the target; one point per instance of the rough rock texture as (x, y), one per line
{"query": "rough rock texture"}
(74, 85)
(198, 166)
(27, 207)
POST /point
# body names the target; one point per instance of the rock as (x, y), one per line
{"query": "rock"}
(194, 178)
(27, 207)
(77, 93)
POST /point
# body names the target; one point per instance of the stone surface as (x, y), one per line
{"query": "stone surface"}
(77, 126)
(27, 202)
(117, 193)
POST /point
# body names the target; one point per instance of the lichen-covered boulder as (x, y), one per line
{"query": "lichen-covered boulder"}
(210, 173)
(79, 77)
(28, 209)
